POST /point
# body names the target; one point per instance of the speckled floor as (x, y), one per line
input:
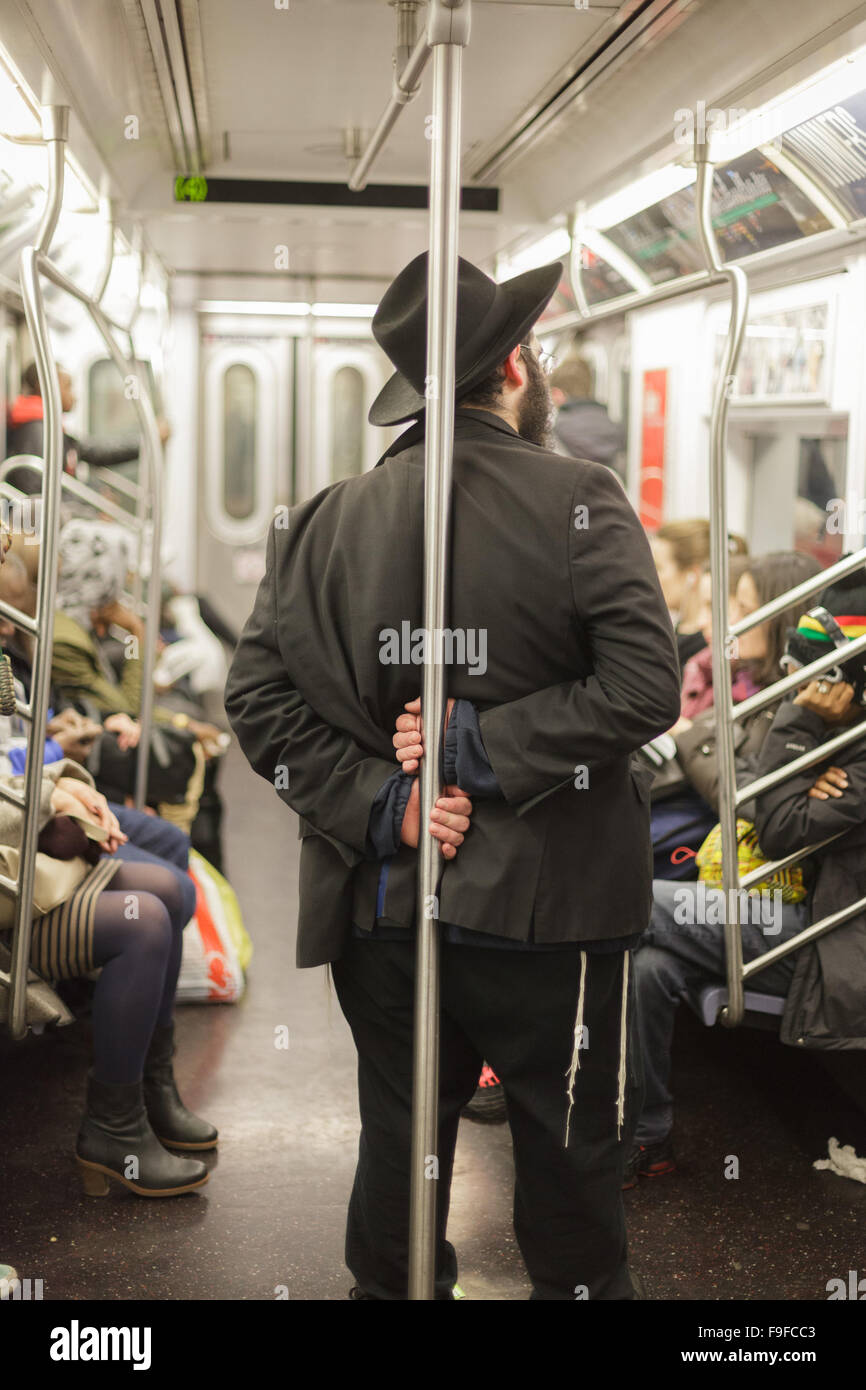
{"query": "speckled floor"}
(272, 1216)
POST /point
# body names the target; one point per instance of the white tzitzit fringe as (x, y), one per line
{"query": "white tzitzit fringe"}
(843, 1161)
(623, 1037)
(571, 1074)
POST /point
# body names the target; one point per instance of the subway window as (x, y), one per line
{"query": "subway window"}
(347, 403)
(108, 410)
(240, 411)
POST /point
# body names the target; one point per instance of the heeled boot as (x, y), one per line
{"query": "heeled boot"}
(173, 1124)
(116, 1141)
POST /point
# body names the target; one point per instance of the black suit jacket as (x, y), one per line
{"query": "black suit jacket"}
(550, 564)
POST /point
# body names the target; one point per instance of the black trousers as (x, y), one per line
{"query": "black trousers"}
(517, 1010)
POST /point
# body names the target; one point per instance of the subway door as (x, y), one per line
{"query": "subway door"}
(347, 377)
(246, 460)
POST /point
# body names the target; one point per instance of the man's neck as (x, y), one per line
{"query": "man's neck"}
(509, 416)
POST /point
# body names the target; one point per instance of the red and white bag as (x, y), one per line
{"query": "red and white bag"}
(216, 947)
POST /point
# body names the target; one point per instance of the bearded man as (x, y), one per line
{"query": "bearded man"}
(562, 662)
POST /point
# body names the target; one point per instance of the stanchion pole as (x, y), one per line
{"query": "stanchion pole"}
(448, 33)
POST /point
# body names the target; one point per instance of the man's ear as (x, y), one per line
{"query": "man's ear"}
(558, 397)
(515, 371)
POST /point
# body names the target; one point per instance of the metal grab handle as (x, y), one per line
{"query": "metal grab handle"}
(805, 760)
(723, 702)
(76, 489)
(798, 677)
(35, 262)
(151, 459)
(46, 590)
(847, 565)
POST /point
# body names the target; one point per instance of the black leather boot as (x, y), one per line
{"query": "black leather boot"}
(116, 1141)
(172, 1122)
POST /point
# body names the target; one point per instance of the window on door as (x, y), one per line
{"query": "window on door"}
(240, 410)
(347, 406)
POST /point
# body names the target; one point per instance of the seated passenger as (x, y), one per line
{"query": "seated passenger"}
(133, 1107)
(24, 434)
(680, 955)
(147, 838)
(681, 550)
(682, 818)
(93, 565)
(583, 427)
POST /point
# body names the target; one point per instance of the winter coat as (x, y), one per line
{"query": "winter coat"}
(826, 1003)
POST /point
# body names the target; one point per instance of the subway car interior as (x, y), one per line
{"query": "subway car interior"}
(202, 204)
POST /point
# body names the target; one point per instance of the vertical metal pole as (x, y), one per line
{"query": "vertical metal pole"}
(441, 331)
(107, 208)
(575, 264)
(55, 132)
(150, 488)
(722, 700)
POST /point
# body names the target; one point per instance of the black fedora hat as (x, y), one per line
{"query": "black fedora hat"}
(491, 320)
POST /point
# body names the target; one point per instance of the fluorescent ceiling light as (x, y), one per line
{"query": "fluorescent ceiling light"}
(809, 98)
(643, 193)
(550, 248)
(249, 306)
(344, 311)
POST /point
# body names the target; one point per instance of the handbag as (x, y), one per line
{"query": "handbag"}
(54, 882)
(749, 856)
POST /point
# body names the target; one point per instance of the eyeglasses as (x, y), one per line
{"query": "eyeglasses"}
(544, 359)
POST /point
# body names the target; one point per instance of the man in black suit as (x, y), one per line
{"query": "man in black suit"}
(561, 662)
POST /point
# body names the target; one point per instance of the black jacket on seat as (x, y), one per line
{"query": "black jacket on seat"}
(549, 562)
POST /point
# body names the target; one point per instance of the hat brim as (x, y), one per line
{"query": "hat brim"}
(530, 293)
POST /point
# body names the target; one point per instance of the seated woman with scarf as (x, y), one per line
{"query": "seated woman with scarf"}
(683, 818)
(94, 561)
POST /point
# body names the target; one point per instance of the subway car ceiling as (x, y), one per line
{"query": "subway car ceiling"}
(176, 107)
(166, 88)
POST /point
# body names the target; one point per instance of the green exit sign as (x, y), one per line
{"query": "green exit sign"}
(190, 189)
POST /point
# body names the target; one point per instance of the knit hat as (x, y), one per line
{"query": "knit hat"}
(838, 618)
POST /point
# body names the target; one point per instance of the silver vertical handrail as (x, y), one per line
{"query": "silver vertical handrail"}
(55, 124)
(35, 263)
(448, 33)
(722, 697)
(55, 131)
(46, 589)
(152, 460)
(725, 712)
(107, 208)
(575, 265)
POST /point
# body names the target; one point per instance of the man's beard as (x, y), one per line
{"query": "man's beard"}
(535, 413)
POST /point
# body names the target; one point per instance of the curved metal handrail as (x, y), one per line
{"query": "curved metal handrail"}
(35, 264)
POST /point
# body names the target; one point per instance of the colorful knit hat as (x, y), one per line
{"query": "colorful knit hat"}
(838, 618)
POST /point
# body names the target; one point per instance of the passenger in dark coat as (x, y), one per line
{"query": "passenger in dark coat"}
(583, 427)
(826, 1002)
(563, 653)
(24, 425)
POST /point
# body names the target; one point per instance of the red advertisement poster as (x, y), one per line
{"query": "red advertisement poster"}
(652, 454)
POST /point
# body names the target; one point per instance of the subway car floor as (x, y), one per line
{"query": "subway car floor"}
(270, 1221)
